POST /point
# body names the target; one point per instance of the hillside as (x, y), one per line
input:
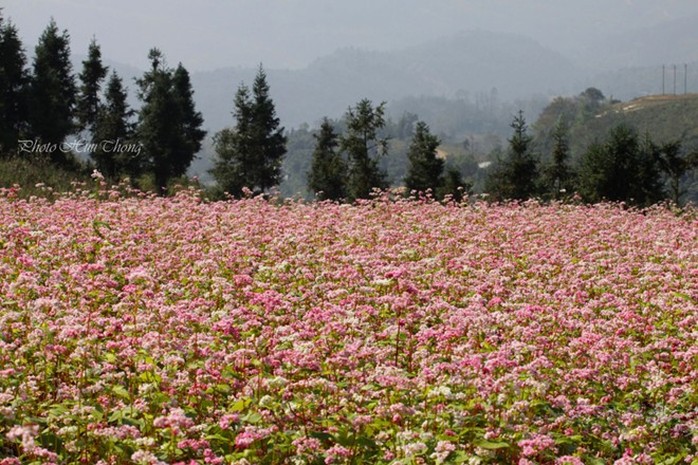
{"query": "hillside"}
(664, 117)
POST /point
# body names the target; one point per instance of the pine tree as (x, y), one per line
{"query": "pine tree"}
(622, 169)
(453, 186)
(91, 77)
(515, 178)
(234, 167)
(191, 121)
(425, 170)
(14, 81)
(558, 175)
(157, 129)
(362, 144)
(250, 154)
(675, 165)
(53, 91)
(271, 140)
(168, 125)
(113, 130)
(327, 176)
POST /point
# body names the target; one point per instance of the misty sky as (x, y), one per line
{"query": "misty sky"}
(210, 34)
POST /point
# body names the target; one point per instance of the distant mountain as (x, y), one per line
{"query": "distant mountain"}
(474, 65)
(511, 66)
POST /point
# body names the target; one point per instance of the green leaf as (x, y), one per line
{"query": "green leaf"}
(491, 445)
(223, 388)
(241, 404)
(252, 418)
(594, 461)
(120, 391)
(462, 457)
(669, 460)
(322, 436)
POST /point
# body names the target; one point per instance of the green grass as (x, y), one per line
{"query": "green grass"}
(37, 177)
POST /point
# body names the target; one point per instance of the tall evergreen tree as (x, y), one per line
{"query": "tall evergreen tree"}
(113, 130)
(234, 167)
(270, 136)
(362, 144)
(159, 115)
(91, 77)
(250, 154)
(622, 169)
(558, 175)
(327, 176)
(675, 165)
(53, 91)
(14, 81)
(191, 121)
(453, 186)
(168, 125)
(516, 177)
(425, 169)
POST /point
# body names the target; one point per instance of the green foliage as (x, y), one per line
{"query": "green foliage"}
(39, 177)
(622, 169)
(91, 77)
(327, 176)
(516, 177)
(169, 126)
(676, 164)
(192, 120)
(14, 81)
(362, 145)
(52, 91)
(297, 163)
(425, 170)
(454, 187)
(250, 155)
(558, 177)
(112, 127)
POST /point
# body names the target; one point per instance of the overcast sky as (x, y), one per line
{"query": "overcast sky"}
(210, 34)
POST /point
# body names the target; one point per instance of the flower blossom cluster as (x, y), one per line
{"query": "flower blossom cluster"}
(175, 331)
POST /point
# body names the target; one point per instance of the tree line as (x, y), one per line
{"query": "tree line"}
(45, 104)
(626, 167)
(49, 115)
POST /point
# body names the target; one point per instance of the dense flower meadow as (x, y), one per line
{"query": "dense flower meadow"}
(150, 331)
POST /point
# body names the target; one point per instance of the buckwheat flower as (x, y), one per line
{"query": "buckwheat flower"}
(414, 448)
(336, 452)
(227, 420)
(26, 434)
(442, 450)
(146, 458)
(569, 460)
(245, 439)
(266, 401)
(305, 445)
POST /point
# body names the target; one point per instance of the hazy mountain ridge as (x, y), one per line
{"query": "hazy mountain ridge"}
(472, 65)
(465, 64)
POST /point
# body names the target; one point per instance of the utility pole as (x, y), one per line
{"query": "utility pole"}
(674, 79)
(663, 79)
(685, 78)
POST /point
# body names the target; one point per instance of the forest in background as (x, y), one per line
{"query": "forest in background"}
(472, 138)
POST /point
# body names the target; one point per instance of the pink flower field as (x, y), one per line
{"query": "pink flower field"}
(162, 331)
